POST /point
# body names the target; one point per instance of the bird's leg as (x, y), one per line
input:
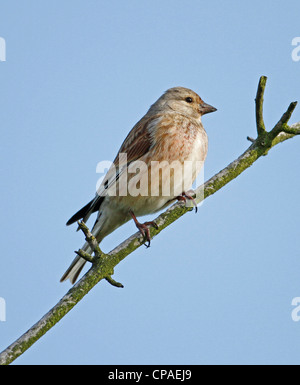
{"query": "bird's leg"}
(184, 196)
(143, 228)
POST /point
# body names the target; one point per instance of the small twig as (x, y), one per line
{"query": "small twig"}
(260, 125)
(292, 130)
(83, 254)
(250, 139)
(280, 126)
(91, 240)
(266, 138)
(113, 282)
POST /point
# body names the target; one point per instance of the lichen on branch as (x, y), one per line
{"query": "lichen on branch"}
(103, 264)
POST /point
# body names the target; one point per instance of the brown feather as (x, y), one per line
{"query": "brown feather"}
(138, 141)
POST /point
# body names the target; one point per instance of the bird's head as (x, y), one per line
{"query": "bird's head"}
(183, 101)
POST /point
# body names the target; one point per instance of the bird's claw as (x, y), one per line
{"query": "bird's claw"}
(144, 228)
(184, 196)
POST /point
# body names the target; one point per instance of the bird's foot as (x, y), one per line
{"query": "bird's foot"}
(184, 196)
(144, 228)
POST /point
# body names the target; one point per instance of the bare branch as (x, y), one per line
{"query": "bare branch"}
(103, 266)
(91, 240)
(293, 129)
(113, 282)
(282, 123)
(83, 254)
(259, 100)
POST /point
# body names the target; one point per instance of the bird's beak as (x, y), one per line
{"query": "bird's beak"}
(206, 108)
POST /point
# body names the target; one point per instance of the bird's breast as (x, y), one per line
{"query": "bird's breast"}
(179, 138)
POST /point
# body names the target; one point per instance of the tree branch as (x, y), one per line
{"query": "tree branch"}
(259, 100)
(103, 265)
(91, 240)
(89, 237)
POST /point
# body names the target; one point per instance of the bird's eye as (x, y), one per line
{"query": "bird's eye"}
(189, 100)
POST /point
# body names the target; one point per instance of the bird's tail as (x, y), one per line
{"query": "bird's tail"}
(76, 266)
(106, 223)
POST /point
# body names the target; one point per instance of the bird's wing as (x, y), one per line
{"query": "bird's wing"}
(139, 140)
(137, 143)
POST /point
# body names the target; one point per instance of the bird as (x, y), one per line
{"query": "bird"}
(170, 133)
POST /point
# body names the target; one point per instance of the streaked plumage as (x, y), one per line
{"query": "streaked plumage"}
(171, 131)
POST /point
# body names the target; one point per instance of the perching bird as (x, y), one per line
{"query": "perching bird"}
(141, 180)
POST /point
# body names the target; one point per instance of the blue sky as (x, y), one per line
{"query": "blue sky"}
(214, 288)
